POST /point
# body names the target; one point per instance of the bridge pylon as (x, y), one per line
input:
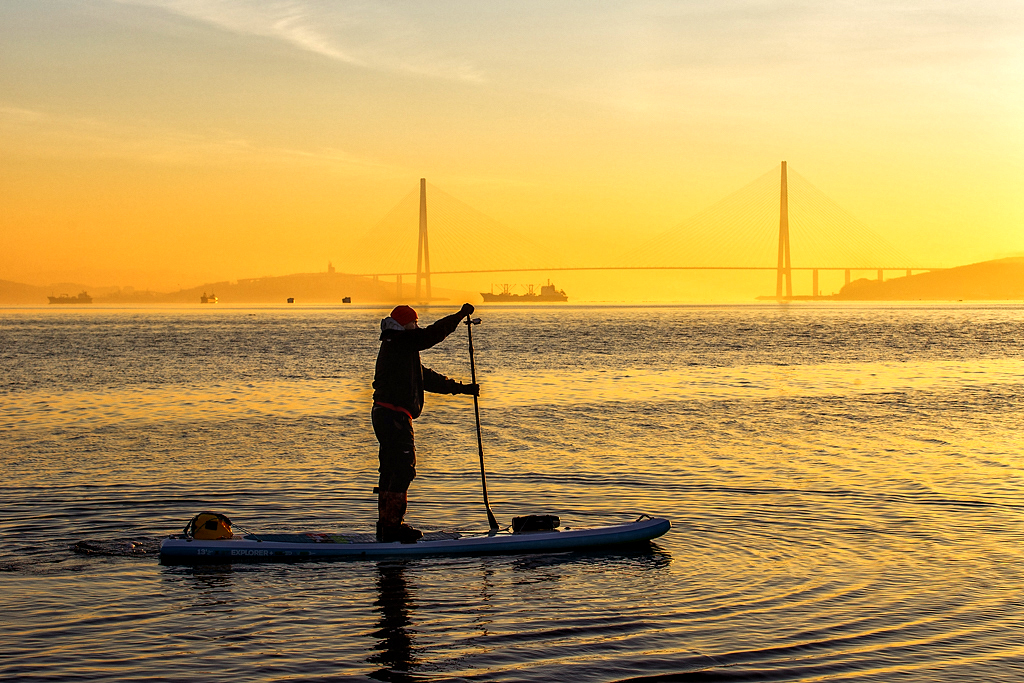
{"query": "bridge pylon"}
(784, 268)
(422, 245)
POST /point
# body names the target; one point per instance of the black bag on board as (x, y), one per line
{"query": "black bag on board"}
(534, 523)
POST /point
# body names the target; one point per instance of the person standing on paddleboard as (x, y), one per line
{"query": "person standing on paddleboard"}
(399, 381)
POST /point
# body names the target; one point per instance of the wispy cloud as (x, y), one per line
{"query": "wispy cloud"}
(62, 136)
(20, 114)
(371, 35)
(633, 55)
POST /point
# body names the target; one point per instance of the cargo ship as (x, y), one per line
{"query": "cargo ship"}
(82, 298)
(212, 299)
(547, 293)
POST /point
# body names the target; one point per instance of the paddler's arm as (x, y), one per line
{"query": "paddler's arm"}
(436, 383)
(435, 333)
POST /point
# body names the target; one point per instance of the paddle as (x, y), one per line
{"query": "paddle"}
(476, 408)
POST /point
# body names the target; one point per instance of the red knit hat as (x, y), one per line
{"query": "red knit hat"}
(403, 315)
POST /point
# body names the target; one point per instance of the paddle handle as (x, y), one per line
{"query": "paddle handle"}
(491, 521)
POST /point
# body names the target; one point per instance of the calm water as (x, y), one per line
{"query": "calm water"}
(845, 484)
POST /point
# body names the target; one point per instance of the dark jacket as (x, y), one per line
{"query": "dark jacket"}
(399, 378)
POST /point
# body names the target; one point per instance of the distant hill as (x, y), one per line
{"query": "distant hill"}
(17, 293)
(989, 280)
(325, 288)
(309, 288)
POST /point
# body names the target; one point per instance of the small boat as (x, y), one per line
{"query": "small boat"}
(547, 293)
(82, 298)
(211, 299)
(324, 546)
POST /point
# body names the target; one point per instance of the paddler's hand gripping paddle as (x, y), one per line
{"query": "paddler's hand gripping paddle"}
(476, 408)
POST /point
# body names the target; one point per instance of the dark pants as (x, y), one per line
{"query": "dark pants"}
(397, 449)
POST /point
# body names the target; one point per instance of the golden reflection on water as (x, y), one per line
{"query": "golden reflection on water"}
(351, 395)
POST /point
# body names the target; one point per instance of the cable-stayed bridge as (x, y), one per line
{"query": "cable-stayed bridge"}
(779, 222)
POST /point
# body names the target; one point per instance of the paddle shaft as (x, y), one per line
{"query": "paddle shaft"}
(479, 437)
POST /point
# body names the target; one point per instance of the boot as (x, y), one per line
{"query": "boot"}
(391, 506)
(402, 533)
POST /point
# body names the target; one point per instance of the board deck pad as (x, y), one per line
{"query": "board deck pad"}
(319, 545)
(342, 537)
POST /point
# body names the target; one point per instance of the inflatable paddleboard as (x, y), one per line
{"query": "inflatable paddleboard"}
(322, 546)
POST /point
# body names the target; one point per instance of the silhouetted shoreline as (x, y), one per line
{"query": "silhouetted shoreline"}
(1002, 279)
(997, 280)
(305, 288)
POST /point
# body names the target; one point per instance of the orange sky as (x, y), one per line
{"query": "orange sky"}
(167, 143)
